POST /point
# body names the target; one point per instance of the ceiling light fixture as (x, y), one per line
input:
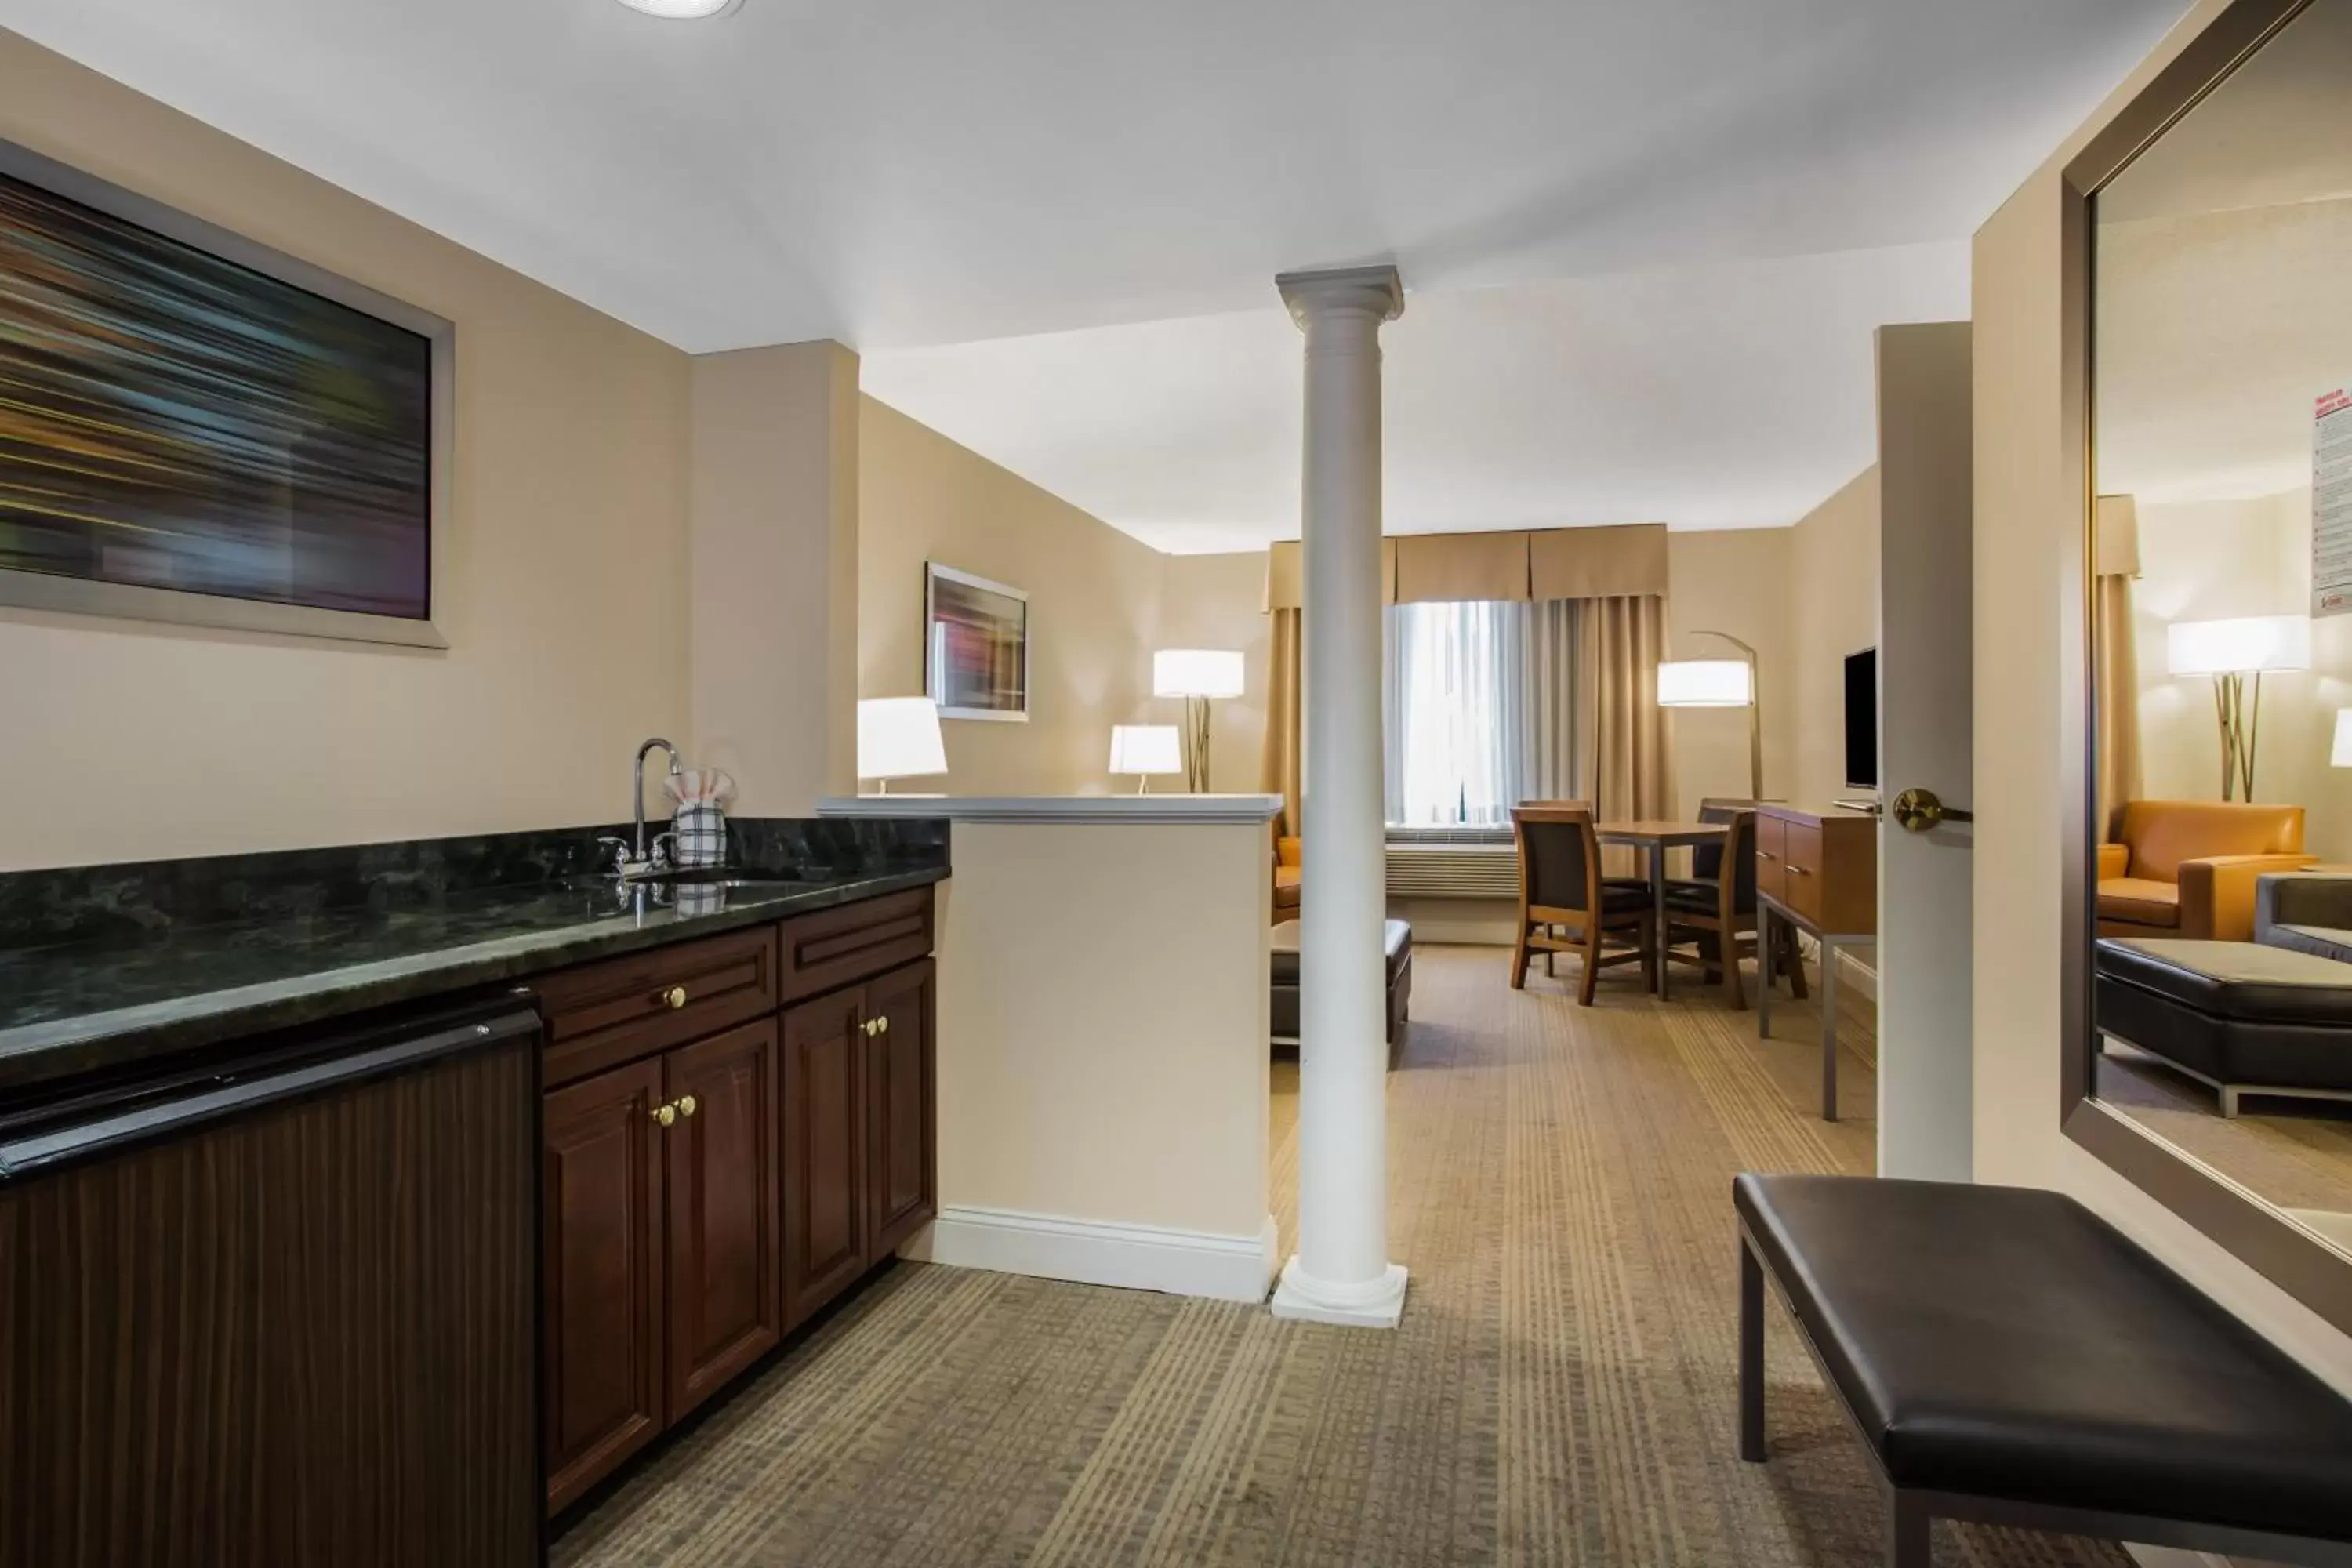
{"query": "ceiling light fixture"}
(683, 10)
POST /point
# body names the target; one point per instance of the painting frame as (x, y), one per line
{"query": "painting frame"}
(49, 592)
(956, 600)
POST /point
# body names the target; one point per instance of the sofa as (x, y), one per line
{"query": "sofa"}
(2308, 911)
(2188, 868)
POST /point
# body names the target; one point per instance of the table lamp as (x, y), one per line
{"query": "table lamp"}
(1198, 675)
(2229, 651)
(1144, 749)
(1719, 683)
(899, 738)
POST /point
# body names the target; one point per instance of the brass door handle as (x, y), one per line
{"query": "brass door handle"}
(1918, 810)
(686, 1105)
(675, 996)
(665, 1114)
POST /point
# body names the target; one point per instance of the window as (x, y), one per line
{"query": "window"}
(1481, 710)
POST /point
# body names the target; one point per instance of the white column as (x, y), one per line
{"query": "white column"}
(1341, 1273)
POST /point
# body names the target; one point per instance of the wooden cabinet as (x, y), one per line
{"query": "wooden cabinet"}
(603, 1172)
(825, 1150)
(726, 1201)
(901, 1138)
(1821, 866)
(716, 1172)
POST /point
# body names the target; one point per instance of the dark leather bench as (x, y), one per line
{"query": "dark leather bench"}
(2245, 1017)
(1284, 1015)
(2009, 1357)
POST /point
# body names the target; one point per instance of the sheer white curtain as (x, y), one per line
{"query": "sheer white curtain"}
(1481, 710)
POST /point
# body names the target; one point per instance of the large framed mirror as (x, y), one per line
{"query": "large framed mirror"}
(2209, 234)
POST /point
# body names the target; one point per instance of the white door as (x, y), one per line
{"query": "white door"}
(1926, 656)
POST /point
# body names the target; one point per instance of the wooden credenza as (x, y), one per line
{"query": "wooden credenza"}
(737, 1128)
(1819, 871)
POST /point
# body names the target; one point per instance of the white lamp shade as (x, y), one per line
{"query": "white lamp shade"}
(1703, 683)
(2235, 646)
(1145, 749)
(899, 738)
(2340, 754)
(1196, 672)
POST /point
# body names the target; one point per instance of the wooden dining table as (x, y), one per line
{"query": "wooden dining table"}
(1657, 838)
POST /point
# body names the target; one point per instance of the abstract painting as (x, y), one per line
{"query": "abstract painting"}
(170, 419)
(976, 645)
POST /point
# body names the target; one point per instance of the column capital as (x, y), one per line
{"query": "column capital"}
(1377, 291)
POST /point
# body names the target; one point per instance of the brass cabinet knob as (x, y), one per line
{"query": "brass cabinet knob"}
(867, 1027)
(686, 1105)
(882, 1025)
(665, 1114)
(675, 996)
(1918, 810)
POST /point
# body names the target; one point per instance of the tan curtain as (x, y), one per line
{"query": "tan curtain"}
(1552, 725)
(1284, 747)
(1629, 772)
(2116, 699)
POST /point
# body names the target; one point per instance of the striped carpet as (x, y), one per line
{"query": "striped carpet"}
(1561, 1390)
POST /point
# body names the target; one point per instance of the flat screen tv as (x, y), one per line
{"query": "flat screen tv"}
(193, 428)
(1862, 720)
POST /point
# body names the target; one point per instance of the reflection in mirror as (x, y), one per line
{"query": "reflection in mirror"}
(2222, 614)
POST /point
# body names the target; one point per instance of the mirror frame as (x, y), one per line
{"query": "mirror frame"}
(2226, 1213)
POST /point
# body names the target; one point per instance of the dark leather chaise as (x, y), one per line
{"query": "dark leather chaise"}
(2245, 1017)
(2008, 1356)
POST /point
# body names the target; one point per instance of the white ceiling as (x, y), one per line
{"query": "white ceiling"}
(904, 173)
(1728, 395)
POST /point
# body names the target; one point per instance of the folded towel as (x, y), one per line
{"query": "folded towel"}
(700, 786)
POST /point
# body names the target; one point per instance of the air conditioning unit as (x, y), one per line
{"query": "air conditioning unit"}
(1453, 863)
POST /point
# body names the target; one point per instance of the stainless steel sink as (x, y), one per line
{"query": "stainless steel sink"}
(717, 877)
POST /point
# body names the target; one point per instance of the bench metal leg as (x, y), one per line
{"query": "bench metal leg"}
(1751, 1355)
(1908, 1542)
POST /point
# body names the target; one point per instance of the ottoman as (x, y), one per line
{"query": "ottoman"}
(2245, 1017)
(1399, 936)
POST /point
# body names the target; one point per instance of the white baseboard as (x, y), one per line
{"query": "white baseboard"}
(1097, 1252)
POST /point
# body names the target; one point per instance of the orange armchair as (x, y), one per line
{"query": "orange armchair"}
(1287, 877)
(2187, 868)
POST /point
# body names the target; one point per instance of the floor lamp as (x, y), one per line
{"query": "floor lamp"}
(1720, 683)
(2229, 651)
(1199, 676)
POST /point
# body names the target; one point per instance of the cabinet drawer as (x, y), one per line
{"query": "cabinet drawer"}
(1802, 869)
(838, 947)
(1771, 849)
(601, 1015)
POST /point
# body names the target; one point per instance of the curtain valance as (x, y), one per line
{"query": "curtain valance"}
(1627, 561)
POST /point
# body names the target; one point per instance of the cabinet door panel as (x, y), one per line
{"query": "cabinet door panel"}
(602, 1196)
(824, 1137)
(725, 1298)
(901, 1172)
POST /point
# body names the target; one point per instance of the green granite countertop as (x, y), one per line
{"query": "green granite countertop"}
(80, 1008)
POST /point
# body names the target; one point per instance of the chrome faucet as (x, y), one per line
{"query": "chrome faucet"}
(637, 800)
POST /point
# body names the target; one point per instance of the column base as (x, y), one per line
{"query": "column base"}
(1377, 1304)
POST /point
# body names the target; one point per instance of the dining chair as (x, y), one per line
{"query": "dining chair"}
(1562, 889)
(1720, 911)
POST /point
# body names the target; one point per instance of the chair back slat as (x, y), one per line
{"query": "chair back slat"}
(1707, 859)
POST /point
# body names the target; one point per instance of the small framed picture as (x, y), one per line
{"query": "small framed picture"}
(975, 645)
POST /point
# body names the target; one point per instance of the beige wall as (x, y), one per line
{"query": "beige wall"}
(774, 504)
(1737, 581)
(1219, 601)
(2028, 621)
(564, 591)
(1094, 607)
(1833, 608)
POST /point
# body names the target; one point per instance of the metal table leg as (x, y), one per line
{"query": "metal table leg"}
(1763, 969)
(1829, 1031)
(1658, 897)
